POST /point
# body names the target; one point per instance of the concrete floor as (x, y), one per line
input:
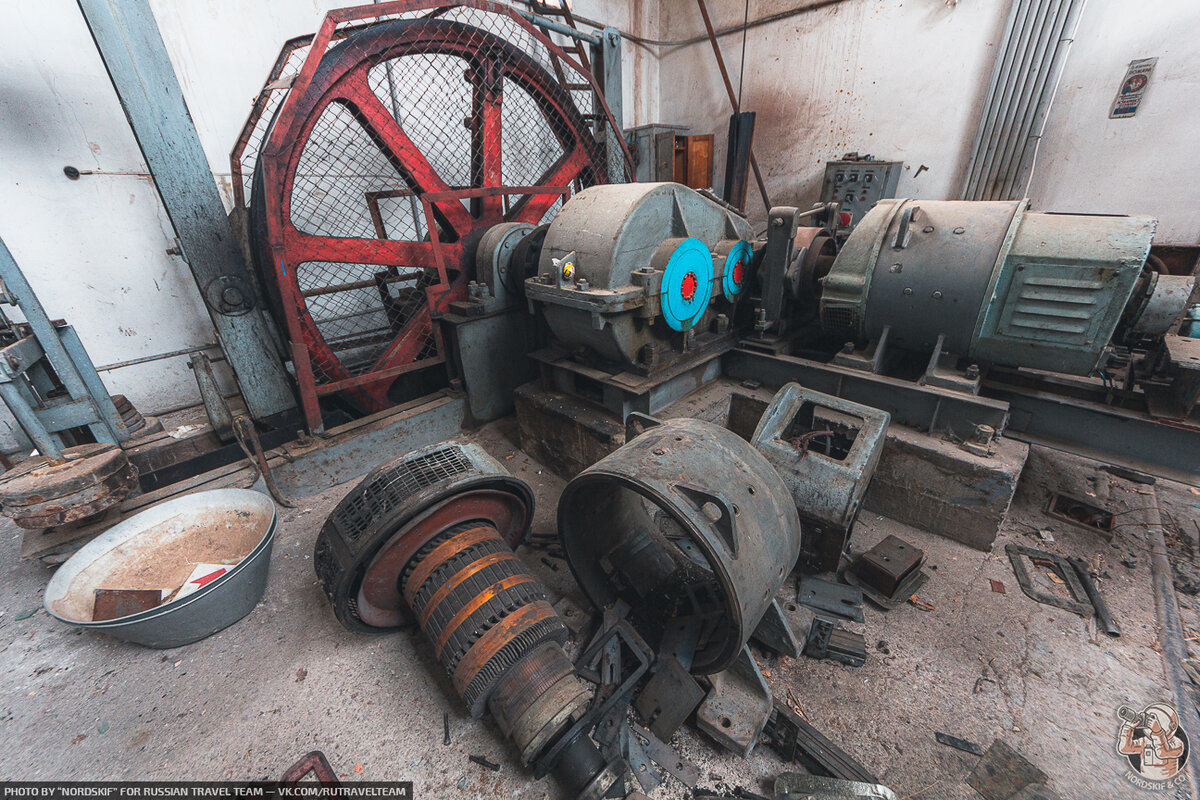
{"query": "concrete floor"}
(250, 700)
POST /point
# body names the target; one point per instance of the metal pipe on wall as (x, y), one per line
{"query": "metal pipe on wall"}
(1024, 79)
(1024, 168)
(1029, 88)
(129, 42)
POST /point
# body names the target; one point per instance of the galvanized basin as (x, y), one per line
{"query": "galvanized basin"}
(157, 549)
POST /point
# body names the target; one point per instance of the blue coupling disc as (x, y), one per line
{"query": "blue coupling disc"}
(737, 269)
(686, 284)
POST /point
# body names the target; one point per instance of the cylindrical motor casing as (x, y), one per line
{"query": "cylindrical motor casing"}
(1166, 298)
(687, 508)
(994, 281)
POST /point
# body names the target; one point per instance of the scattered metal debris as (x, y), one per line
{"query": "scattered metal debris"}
(669, 697)
(828, 639)
(483, 762)
(1002, 772)
(1086, 577)
(1081, 513)
(1021, 556)
(665, 756)
(958, 744)
(889, 573)
(115, 603)
(794, 739)
(832, 598)
(794, 786)
(313, 762)
(913, 600)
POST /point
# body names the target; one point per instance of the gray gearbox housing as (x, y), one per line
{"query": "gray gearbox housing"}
(630, 264)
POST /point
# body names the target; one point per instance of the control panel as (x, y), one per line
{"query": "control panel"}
(857, 183)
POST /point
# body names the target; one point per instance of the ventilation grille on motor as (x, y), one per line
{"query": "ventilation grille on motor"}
(395, 483)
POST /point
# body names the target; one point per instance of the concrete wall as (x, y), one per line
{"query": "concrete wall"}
(95, 249)
(907, 80)
(1147, 164)
(897, 80)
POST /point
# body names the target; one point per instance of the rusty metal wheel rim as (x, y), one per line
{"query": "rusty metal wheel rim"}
(343, 80)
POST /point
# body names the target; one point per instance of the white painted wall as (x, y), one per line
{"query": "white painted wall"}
(95, 249)
(907, 80)
(897, 80)
(1147, 164)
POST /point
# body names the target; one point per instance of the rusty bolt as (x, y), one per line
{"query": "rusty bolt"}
(984, 434)
(973, 372)
(848, 347)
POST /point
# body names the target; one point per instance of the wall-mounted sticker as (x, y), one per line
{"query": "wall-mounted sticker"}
(1133, 88)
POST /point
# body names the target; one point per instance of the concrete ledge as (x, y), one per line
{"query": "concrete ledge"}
(563, 432)
(935, 485)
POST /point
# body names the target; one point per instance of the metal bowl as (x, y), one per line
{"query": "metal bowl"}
(166, 538)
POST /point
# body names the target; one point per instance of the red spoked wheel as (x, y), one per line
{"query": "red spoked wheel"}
(400, 110)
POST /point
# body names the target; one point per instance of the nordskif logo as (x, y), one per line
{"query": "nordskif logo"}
(1153, 744)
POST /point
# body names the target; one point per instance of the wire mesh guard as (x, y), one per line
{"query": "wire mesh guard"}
(355, 126)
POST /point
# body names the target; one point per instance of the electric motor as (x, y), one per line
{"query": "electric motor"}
(995, 282)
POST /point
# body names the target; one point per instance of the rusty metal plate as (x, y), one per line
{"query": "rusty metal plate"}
(1002, 772)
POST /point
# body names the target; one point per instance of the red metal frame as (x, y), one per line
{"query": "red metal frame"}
(345, 83)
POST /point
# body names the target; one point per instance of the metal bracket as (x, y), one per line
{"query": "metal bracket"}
(826, 639)
(790, 735)
(776, 632)
(619, 632)
(832, 598)
(1017, 555)
(738, 705)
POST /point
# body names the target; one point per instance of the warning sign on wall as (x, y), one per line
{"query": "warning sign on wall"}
(1133, 88)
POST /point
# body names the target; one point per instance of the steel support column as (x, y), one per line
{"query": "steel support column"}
(606, 57)
(136, 58)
